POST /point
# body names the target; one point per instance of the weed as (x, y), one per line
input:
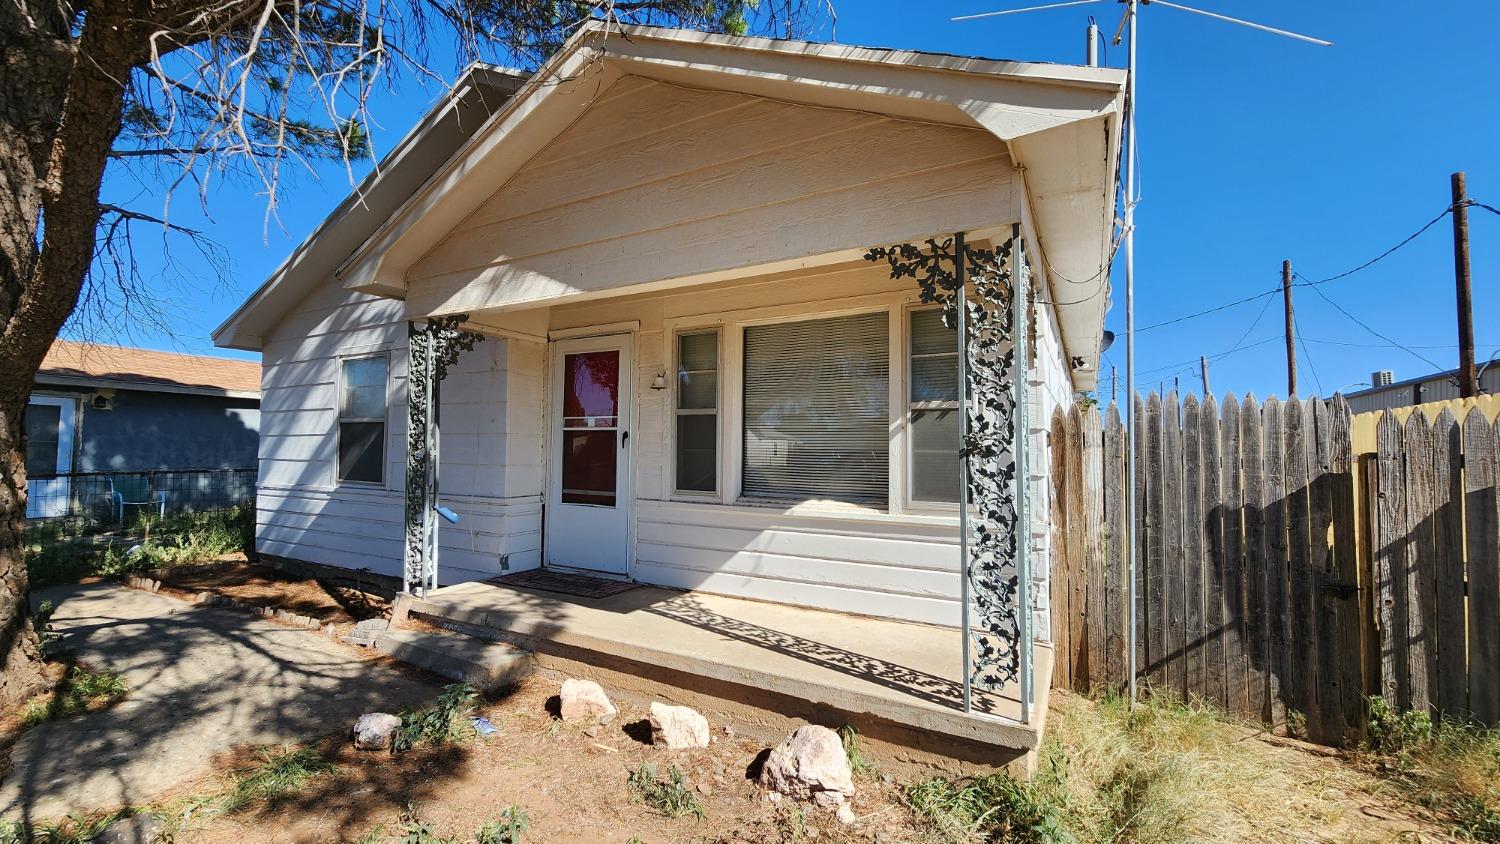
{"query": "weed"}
(791, 823)
(281, 771)
(62, 552)
(445, 722)
(417, 831)
(670, 796)
(74, 829)
(505, 830)
(857, 761)
(79, 691)
(993, 807)
(1296, 724)
(1397, 734)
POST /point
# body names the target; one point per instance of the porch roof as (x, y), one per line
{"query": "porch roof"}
(1059, 122)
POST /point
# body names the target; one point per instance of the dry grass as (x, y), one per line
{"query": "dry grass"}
(1174, 771)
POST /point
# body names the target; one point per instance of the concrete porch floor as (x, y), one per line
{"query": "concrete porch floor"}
(898, 683)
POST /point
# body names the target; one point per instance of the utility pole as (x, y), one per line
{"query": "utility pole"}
(1203, 366)
(1291, 331)
(1468, 377)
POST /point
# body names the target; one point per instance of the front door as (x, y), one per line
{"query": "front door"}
(589, 498)
(49, 456)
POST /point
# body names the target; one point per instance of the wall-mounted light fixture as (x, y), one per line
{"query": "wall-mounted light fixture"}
(659, 382)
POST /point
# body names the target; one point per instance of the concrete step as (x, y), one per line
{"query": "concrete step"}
(486, 665)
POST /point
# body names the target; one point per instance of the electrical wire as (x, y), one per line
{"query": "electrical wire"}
(1307, 356)
(1386, 254)
(1392, 343)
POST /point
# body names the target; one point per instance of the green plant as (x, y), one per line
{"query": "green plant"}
(1296, 723)
(73, 829)
(445, 722)
(61, 552)
(281, 771)
(415, 830)
(994, 807)
(1397, 734)
(506, 829)
(857, 761)
(670, 796)
(79, 691)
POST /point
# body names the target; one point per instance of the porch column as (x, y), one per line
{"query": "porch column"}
(991, 285)
(432, 346)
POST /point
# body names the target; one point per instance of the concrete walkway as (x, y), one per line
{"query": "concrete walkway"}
(201, 681)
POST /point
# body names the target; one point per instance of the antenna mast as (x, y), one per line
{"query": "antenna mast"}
(1129, 28)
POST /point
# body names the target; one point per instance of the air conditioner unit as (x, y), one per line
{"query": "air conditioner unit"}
(1382, 378)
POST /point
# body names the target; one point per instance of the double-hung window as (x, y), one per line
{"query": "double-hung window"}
(817, 409)
(697, 436)
(932, 408)
(362, 415)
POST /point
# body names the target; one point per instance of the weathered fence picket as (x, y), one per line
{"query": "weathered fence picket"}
(1261, 587)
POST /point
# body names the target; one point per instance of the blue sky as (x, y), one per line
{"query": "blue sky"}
(1254, 149)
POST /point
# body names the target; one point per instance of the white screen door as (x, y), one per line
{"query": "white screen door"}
(589, 498)
(49, 456)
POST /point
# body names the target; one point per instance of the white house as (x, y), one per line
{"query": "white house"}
(689, 371)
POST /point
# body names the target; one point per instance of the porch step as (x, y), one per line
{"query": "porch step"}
(485, 665)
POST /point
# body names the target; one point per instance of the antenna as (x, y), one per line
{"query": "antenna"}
(1129, 26)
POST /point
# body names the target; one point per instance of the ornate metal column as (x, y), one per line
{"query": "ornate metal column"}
(993, 566)
(432, 347)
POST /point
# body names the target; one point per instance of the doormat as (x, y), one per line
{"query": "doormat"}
(578, 585)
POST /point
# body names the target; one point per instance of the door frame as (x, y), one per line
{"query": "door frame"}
(560, 344)
(67, 432)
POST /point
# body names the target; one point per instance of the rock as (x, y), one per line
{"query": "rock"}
(375, 731)
(592, 732)
(678, 727)
(846, 814)
(136, 829)
(773, 797)
(585, 700)
(729, 730)
(705, 789)
(810, 764)
(373, 624)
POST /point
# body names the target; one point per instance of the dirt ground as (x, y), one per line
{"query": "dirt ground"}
(261, 585)
(571, 785)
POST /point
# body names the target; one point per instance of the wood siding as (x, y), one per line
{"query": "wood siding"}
(657, 182)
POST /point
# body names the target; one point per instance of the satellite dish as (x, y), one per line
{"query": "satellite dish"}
(1106, 341)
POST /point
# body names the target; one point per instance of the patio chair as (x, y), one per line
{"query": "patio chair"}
(136, 491)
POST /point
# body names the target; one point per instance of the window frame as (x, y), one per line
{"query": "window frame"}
(909, 496)
(339, 419)
(717, 411)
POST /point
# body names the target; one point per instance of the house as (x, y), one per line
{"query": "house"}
(100, 414)
(678, 300)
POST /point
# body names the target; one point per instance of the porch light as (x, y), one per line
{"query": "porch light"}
(659, 382)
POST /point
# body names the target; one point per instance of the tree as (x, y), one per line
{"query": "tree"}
(189, 91)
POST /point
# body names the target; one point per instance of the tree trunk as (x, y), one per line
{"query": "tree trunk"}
(61, 99)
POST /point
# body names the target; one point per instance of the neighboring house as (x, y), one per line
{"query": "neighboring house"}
(106, 411)
(690, 375)
(1389, 393)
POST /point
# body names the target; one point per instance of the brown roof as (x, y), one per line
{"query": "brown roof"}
(69, 361)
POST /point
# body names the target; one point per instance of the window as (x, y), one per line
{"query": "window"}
(932, 408)
(817, 409)
(43, 436)
(362, 412)
(697, 440)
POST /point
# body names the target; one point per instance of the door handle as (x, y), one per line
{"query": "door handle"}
(624, 438)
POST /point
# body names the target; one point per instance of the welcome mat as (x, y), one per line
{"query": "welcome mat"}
(564, 583)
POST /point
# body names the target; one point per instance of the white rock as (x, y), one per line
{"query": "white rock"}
(585, 700)
(137, 829)
(846, 814)
(810, 764)
(375, 731)
(678, 727)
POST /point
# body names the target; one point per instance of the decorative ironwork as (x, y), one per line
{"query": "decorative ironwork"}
(431, 348)
(992, 439)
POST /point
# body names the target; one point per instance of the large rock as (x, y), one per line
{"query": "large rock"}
(375, 731)
(585, 700)
(136, 829)
(810, 764)
(678, 727)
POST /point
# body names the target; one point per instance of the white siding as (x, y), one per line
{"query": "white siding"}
(1051, 387)
(493, 483)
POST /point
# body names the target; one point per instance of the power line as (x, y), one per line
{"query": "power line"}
(1382, 256)
(1362, 324)
(1307, 356)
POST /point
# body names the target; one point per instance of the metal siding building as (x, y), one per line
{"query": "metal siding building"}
(1440, 386)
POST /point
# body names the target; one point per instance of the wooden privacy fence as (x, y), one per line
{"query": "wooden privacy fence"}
(1282, 573)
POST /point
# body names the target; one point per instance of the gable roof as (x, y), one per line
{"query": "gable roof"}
(458, 114)
(73, 364)
(1060, 123)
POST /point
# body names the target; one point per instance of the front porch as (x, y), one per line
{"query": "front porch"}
(764, 666)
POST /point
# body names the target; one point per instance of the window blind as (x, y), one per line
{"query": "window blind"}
(933, 422)
(817, 409)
